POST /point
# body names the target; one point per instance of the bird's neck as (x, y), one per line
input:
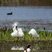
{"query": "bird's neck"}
(14, 29)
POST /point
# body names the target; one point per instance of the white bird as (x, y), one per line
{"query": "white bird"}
(14, 33)
(28, 49)
(17, 32)
(14, 25)
(20, 32)
(24, 50)
(33, 33)
(17, 48)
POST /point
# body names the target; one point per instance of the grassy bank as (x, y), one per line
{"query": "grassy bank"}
(6, 36)
(41, 44)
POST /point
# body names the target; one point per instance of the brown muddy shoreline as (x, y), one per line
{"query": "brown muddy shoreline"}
(43, 46)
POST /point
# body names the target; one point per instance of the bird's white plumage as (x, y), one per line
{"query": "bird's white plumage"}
(24, 50)
(20, 32)
(21, 48)
(28, 49)
(17, 48)
(33, 33)
(14, 48)
(14, 25)
(17, 32)
(14, 34)
(14, 28)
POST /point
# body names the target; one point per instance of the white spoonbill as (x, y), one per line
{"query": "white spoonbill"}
(33, 33)
(17, 32)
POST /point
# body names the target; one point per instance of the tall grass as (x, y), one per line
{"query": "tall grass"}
(39, 46)
(6, 36)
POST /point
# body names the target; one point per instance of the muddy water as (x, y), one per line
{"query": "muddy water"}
(36, 46)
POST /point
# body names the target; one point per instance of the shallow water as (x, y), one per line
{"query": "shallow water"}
(26, 13)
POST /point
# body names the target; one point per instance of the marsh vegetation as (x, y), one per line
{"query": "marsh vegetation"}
(41, 44)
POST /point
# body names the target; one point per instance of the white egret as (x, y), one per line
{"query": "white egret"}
(33, 33)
